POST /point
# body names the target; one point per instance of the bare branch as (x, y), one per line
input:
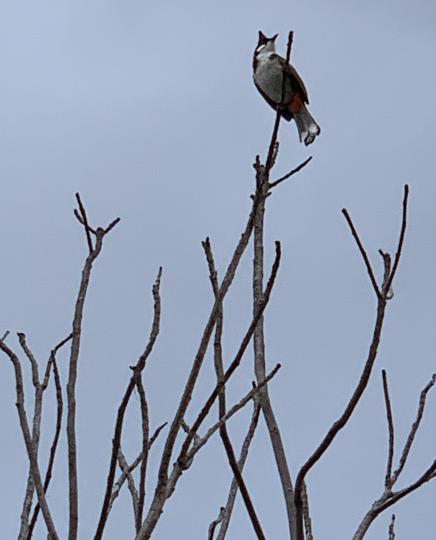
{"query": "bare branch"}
(362, 252)
(145, 436)
(5, 335)
(219, 369)
(237, 360)
(363, 381)
(52, 358)
(306, 513)
(271, 151)
(289, 174)
(262, 182)
(116, 441)
(413, 429)
(391, 530)
(165, 488)
(123, 476)
(36, 429)
(388, 499)
(84, 221)
(388, 476)
(36, 475)
(130, 482)
(48, 474)
(160, 494)
(80, 220)
(112, 225)
(94, 252)
(30, 357)
(241, 462)
(401, 238)
(216, 522)
(232, 411)
(71, 386)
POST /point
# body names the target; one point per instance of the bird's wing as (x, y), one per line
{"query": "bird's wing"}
(287, 115)
(296, 81)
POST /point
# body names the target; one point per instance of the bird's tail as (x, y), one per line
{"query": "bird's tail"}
(308, 129)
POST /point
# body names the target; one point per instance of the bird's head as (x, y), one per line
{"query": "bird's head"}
(265, 44)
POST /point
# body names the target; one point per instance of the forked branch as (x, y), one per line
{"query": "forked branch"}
(382, 298)
(390, 497)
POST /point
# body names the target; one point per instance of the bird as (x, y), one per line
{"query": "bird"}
(280, 85)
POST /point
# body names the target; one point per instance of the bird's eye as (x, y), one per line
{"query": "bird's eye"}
(260, 48)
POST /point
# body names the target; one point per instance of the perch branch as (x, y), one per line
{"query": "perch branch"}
(262, 182)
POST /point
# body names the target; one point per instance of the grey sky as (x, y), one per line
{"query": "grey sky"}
(148, 109)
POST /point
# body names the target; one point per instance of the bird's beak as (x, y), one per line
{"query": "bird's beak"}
(274, 37)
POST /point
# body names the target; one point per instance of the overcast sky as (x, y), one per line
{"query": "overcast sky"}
(148, 109)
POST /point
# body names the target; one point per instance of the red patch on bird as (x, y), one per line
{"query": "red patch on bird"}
(296, 103)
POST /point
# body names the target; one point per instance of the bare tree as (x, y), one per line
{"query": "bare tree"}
(182, 442)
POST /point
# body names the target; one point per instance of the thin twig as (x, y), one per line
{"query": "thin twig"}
(239, 355)
(94, 252)
(362, 252)
(166, 487)
(71, 386)
(241, 462)
(231, 412)
(59, 410)
(138, 460)
(289, 174)
(36, 429)
(413, 429)
(130, 483)
(391, 530)
(36, 475)
(116, 441)
(306, 513)
(389, 497)
(81, 221)
(219, 369)
(388, 476)
(215, 522)
(82, 213)
(401, 238)
(30, 357)
(145, 436)
(269, 160)
(112, 225)
(160, 494)
(360, 388)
